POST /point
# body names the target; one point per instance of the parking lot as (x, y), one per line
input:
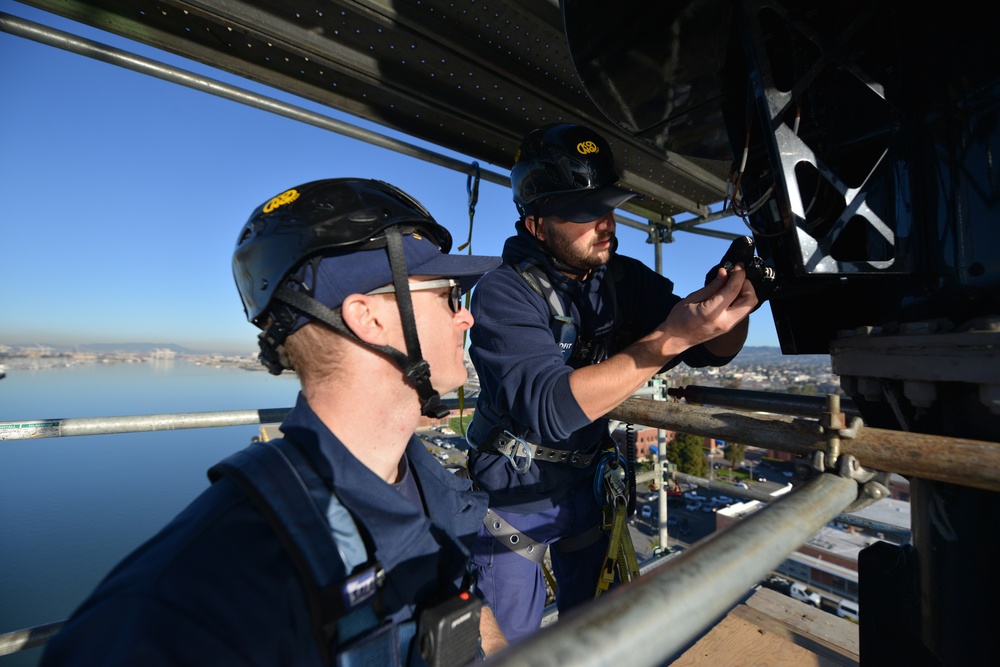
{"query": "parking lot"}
(451, 449)
(688, 519)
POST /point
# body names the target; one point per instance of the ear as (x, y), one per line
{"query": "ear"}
(366, 316)
(534, 227)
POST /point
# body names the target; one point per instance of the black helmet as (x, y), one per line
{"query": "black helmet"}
(561, 163)
(302, 252)
(306, 220)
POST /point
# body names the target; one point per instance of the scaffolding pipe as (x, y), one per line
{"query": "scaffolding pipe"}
(97, 51)
(22, 640)
(961, 461)
(724, 487)
(954, 460)
(765, 401)
(655, 616)
(58, 428)
(904, 534)
(91, 49)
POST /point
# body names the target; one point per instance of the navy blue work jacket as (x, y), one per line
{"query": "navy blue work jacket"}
(215, 586)
(524, 378)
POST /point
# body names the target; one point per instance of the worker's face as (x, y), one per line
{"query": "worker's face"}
(582, 245)
(441, 331)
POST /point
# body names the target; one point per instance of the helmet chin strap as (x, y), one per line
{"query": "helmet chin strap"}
(415, 369)
(562, 266)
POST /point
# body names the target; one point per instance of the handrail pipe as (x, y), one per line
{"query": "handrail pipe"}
(961, 461)
(655, 616)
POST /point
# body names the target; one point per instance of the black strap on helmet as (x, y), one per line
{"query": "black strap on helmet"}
(416, 370)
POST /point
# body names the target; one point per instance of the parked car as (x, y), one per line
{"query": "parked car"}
(848, 609)
(693, 506)
(807, 595)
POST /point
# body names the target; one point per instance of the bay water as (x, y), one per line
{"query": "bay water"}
(72, 507)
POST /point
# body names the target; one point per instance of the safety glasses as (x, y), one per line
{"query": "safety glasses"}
(454, 297)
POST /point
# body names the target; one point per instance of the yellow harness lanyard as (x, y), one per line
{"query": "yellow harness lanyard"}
(621, 552)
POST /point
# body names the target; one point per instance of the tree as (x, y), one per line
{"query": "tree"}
(687, 452)
(735, 453)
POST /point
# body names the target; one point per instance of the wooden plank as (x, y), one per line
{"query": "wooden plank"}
(774, 630)
(814, 624)
(736, 642)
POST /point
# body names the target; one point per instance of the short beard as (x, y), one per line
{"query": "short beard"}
(567, 254)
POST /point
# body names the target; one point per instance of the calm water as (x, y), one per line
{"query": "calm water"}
(70, 508)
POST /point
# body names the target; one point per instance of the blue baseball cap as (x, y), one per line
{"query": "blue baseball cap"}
(359, 272)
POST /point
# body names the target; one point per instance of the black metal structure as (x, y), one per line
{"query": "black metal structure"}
(864, 136)
(857, 141)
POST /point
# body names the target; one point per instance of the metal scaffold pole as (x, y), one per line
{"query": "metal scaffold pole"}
(654, 617)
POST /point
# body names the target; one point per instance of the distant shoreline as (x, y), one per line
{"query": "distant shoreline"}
(755, 368)
(51, 362)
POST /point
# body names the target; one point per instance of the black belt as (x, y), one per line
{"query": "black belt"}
(503, 442)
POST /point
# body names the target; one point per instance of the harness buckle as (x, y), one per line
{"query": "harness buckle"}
(508, 448)
(610, 485)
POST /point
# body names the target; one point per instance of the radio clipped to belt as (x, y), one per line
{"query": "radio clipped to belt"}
(611, 490)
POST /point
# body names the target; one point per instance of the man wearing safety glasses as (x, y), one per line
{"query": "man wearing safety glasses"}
(344, 542)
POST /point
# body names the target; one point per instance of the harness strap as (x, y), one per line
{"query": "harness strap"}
(279, 479)
(568, 545)
(535, 276)
(506, 443)
(621, 552)
(513, 539)
(563, 326)
(487, 434)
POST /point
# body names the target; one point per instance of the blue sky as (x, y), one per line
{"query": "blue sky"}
(123, 195)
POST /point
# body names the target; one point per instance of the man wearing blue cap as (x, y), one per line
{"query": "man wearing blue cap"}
(567, 330)
(345, 541)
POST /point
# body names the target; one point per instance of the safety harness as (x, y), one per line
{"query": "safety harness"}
(576, 351)
(614, 483)
(343, 584)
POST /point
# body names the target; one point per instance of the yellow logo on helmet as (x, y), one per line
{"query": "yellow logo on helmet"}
(587, 147)
(286, 197)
